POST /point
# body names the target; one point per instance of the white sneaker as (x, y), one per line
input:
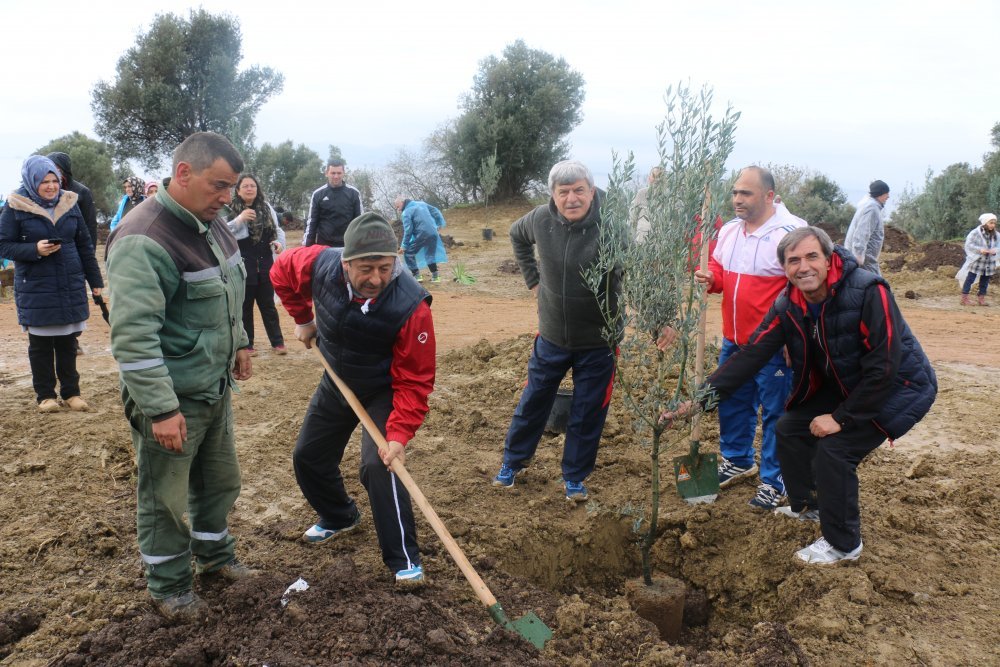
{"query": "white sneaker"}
(804, 515)
(822, 552)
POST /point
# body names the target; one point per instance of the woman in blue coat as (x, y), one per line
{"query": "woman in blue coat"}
(43, 231)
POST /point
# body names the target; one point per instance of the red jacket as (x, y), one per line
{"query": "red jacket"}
(413, 355)
(746, 270)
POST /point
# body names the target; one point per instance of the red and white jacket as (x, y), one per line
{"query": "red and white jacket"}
(746, 270)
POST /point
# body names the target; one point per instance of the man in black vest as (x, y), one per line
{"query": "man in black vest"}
(373, 324)
(859, 377)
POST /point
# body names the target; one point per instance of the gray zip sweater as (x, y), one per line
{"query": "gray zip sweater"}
(569, 314)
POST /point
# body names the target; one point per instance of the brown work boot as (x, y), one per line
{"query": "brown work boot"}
(234, 570)
(77, 404)
(982, 299)
(49, 405)
(183, 607)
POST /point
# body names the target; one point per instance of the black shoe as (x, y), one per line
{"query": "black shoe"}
(185, 607)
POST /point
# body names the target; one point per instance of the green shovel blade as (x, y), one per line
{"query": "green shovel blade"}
(697, 476)
(529, 626)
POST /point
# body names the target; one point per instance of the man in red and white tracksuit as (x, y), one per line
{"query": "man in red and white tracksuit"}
(744, 267)
(373, 325)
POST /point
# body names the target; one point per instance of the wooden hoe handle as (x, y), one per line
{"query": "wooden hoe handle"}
(482, 591)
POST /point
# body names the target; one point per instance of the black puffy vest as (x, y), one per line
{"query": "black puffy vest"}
(359, 345)
(915, 383)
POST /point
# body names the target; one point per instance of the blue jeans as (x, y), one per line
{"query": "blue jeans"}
(984, 283)
(593, 378)
(767, 391)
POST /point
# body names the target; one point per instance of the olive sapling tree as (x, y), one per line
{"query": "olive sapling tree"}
(659, 293)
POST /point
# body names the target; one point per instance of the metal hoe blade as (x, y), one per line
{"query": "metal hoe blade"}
(529, 626)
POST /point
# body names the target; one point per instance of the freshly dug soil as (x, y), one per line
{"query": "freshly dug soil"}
(924, 592)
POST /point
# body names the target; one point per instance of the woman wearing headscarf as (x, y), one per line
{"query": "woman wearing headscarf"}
(135, 189)
(43, 231)
(980, 258)
(255, 226)
(151, 188)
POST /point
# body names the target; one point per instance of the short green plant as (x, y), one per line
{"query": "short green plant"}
(461, 276)
(489, 176)
(658, 287)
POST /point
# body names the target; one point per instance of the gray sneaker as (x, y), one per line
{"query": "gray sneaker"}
(805, 515)
(317, 534)
(822, 552)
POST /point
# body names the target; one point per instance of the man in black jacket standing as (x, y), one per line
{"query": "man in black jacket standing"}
(571, 324)
(332, 208)
(859, 377)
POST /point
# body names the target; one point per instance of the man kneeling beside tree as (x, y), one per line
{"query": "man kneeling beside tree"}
(860, 376)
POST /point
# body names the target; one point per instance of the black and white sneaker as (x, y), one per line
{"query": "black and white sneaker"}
(767, 498)
(730, 473)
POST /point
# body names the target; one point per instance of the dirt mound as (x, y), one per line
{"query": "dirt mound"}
(934, 254)
(835, 233)
(344, 617)
(897, 240)
(509, 267)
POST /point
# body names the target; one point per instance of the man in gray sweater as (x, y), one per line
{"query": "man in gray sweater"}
(565, 232)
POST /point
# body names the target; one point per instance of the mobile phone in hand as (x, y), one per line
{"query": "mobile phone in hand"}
(55, 241)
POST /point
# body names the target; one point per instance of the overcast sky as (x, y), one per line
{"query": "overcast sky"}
(856, 90)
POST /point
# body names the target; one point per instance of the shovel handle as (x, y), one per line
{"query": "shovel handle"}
(699, 350)
(478, 585)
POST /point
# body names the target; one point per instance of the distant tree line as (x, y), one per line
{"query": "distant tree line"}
(952, 201)
(183, 75)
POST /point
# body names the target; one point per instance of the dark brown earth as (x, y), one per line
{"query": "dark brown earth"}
(924, 592)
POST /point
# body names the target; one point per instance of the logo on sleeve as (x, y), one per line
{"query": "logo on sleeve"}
(422, 337)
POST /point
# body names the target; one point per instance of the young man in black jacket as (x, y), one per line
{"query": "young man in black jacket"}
(331, 208)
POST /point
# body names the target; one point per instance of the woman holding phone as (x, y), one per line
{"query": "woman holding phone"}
(43, 231)
(255, 226)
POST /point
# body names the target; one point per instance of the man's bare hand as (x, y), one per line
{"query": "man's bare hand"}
(171, 433)
(242, 367)
(683, 411)
(704, 277)
(666, 338)
(824, 425)
(395, 451)
(306, 333)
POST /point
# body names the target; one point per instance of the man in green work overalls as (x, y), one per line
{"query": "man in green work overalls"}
(177, 335)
